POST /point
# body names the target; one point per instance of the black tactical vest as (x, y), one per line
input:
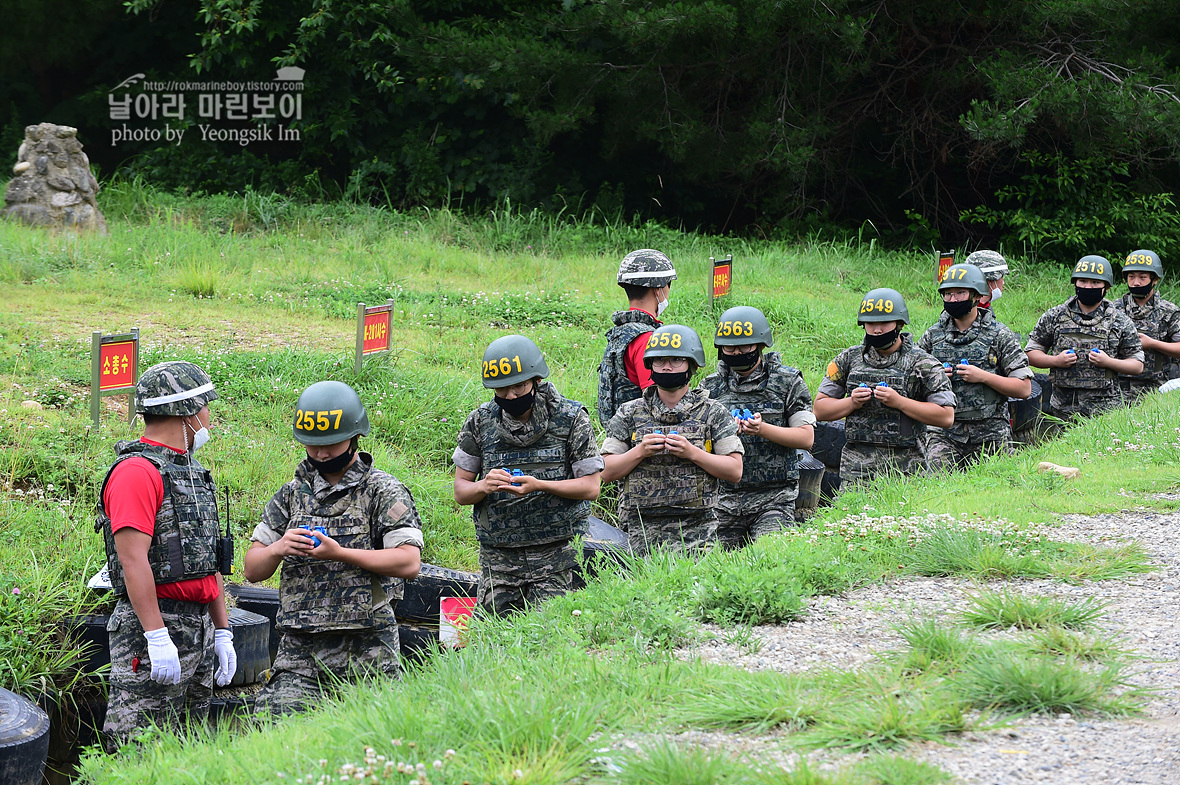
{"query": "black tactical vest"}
(875, 423)
(974, 401)
(503, 520)
(184, 543)
(765, 464)
(614, 388)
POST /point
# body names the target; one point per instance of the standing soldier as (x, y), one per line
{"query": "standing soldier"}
(986, 366)
(340, 530)
(1157, 320)
(169, 633)
(528, 463)
(646, 276)
(886, 390)
(994, 268)
(671, 447)
(774, 420)
(1085, 343)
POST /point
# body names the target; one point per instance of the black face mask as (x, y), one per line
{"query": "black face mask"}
(1139, 292)
(740, 362)
(671, 381)
(882, 341)
(1090, 296)
(516, 406)
(334, 465)
(958, 309)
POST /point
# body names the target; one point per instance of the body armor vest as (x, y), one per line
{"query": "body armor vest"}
(1148, 319)
(974, 401)
(319, 595)
(875, 423)
(1083, 333)
(614, 388)
(503, 520)
(665, 485)
(765, 464)
(184, 542)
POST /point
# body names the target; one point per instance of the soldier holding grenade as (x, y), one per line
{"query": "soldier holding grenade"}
(774, 420)
(528, 463)
(1156, 319)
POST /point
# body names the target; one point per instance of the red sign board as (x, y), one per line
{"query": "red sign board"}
(116, 366)
(376, 335)
(722, 278)
(945, 260)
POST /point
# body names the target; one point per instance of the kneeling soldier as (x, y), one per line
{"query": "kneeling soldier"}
(887, 390)
(340, 530)
(671, 448)
(528, 463)
(774, 419)
(986, 366)
(1156, 319)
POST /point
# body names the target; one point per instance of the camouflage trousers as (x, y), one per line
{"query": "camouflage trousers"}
(744, 516)
(860, 463)
(515, 579)
(678, 534)
(311, 665)
(966, 443)
(1074, 404)
(135, 701)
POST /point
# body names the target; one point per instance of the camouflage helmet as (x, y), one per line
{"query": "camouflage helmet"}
(990, 263)
(646, 267)
(1095, 268)
(329, 413)
(883, 305)
(674, 340)
(743, 325)
(511, 360)
(964, 276)
(174, 389)
(1143, 261)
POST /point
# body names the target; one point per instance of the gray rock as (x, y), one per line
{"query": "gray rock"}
(54, 185)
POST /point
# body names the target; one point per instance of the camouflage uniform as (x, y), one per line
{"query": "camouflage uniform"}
(667, 500)
(763, 502)
(981, 423)
(183, 547)
(881, 438)
(336, 620)
(1156, 318)
(525, 550)
(1084, 388)
(614, 388)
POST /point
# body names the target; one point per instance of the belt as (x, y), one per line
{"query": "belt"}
(181, 606)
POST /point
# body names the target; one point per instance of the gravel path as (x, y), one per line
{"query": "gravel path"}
(1062, 750)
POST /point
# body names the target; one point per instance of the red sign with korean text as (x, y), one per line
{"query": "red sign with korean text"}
(116, 365)
(945, 260)
(722, 278)
(376, 338)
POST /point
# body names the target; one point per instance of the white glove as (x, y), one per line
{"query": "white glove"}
(227, 658)
(164, 656)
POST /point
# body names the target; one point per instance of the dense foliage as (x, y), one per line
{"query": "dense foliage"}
(1050, 124)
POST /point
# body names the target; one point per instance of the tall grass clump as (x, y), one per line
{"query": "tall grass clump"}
(990, 610)
(896, 770)
(1020, 683)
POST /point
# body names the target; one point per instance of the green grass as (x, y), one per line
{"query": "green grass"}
(1020, 683)
(896, 770)
(262, 291)
(991, 610)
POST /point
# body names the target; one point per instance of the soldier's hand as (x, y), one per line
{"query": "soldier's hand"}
(1100, 358)
(860, 396)
(496, 480)
(294, 542)
(327, 550)
(1066, 359)
(678, 445)
(164, 656)
(888, 396)
(949, 370)
(752, 425)
(652, 444)
(524, 485)
(971, 373)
